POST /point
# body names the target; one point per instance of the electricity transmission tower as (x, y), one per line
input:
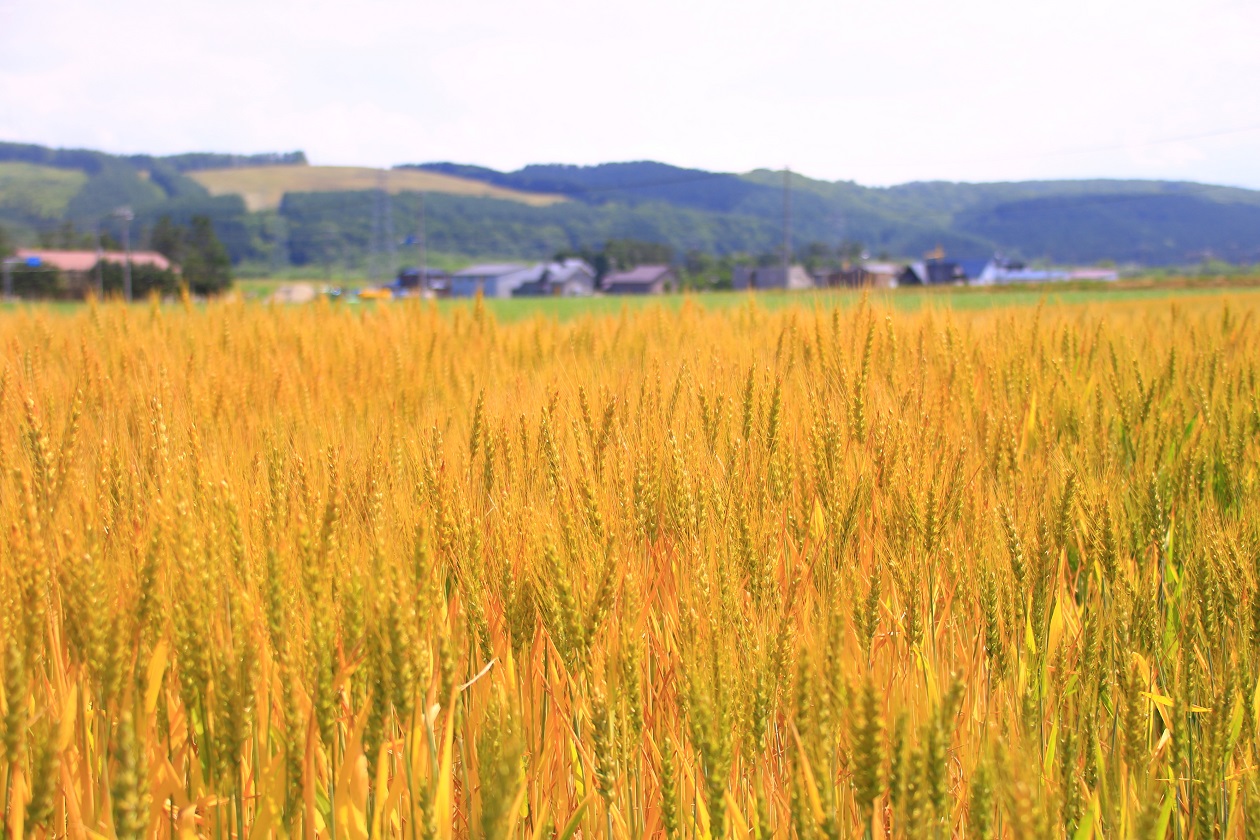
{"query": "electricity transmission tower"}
(787, 224)
(383, 259)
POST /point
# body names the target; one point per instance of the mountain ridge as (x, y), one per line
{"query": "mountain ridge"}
(1142, 222)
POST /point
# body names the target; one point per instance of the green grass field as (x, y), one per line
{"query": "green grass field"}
(516, 309)
(962, 299)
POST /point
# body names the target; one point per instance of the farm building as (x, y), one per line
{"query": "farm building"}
(77, 268)
(492, 279)
(1000, 270)
(879, 275)
(748, 277)
(931, 272)
(415, 281)
(567, 278)
(644, 280)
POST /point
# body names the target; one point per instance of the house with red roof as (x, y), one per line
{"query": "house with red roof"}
(77, 267)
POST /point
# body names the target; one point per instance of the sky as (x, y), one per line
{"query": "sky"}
(874, 92)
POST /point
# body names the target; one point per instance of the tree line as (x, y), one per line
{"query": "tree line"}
(204, 265)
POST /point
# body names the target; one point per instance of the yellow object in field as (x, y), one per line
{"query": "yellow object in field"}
(375, 293)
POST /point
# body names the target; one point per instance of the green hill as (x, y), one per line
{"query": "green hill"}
(33, 193)
(310, 218)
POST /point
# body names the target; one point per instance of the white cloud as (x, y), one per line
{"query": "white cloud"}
(878, 93)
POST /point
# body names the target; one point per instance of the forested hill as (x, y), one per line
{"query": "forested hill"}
(59, 196)
(626, 183)
(1147, 222)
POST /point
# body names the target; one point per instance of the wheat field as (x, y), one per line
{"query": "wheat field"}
(804, 573)
(264, 187)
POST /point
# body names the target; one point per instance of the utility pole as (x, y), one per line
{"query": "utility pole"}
(127, 217)
(374, 248)
(424, 256)
(100, 257)
(391, 241)
(787, 224)
(8, 277)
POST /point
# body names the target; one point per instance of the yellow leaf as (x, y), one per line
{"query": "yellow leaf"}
(929, 675)
(1235, 727)
(543, 814)
(1255, 702)
(1055, 633)
(1051, 744)
(394, 797)
(579, 778)
(69, 711)
(153, 684)
(270, 799)
(350, 796)
(514, 813)
(1161, 699)
(811, 789)
(382, 779)
(1030, 638)
(1086, 829)
(739, 825)
(17, 792)
(817, 523)
(74, 814)
(1030, 422)
(1165, 814)
(1144, 667)
(442, 811)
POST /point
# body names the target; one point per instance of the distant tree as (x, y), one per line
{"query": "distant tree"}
(207, 267)
(40, 281)
(628, 253)
(817, 255)
(602, 266)
(851, 251)
(66, 237)
(701, 271)
(145, 278)
(168, 239)
(196, 249)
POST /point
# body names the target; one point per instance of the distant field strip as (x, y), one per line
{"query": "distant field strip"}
(905, 300)
(262, 187)
(42, 191)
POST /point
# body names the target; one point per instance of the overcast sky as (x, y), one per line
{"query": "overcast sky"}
(876, 92)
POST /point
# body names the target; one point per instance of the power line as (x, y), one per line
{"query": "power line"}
(1113, 147)
(580, 190)
(1158, 142)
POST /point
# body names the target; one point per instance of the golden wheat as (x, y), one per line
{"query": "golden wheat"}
(387, 572)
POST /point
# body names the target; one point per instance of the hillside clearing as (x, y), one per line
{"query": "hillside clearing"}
(263, 187)
(38, 191)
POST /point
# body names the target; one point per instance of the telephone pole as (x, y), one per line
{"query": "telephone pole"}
(424, 268)
(100, 258)
(127, 217)
(8, 276)
(376, 248)
(391, 241)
